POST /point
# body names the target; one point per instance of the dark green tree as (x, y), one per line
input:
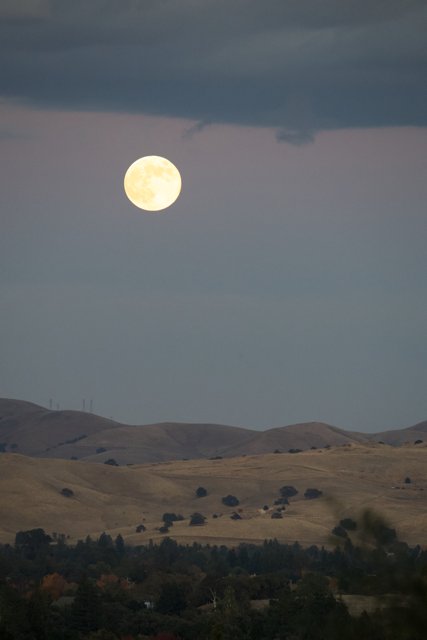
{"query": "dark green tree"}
(171, 600)
(86, 609)
(119, 544)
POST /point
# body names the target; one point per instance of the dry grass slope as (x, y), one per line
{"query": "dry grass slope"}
(117, 499)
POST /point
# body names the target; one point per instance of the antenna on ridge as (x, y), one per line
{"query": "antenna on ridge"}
(84, 404)
(91, 406)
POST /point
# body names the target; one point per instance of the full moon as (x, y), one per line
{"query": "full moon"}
(152, 183)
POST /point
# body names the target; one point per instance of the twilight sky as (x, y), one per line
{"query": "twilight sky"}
(288, 282)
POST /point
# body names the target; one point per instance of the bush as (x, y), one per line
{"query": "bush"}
(67, 493)
(197, 520)
(294, 450)
(276, 515)
(408, 480)
(235, 516)
(288, 491)
(312, 494)
(112, 462)
(230, 501)
(416, 442)
(164, 529)
(349, 524)
(140, 528)
(281, 500)
(172, 517)
(201, 492)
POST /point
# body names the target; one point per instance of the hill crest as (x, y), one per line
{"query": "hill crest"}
(33, 430)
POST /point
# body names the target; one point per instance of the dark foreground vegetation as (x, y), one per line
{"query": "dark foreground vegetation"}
(104, 590)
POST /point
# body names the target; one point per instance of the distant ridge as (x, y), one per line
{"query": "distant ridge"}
(30, 429)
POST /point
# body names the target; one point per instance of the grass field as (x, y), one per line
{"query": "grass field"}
(117, 499)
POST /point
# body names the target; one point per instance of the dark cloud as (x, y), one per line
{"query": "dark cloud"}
(296, 65)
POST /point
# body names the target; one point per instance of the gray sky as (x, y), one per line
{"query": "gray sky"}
(288, 282)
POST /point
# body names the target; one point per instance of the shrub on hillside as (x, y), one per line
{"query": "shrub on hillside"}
(67, 493)
(288, 491)
(140, 528)
(111, 462)
(197, 520)
(276, 515)
(172, 517)
(281, 500)
(230, 501)
(201, 492)
(312, 494)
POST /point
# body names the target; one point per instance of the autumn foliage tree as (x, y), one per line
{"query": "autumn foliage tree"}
(54, 584)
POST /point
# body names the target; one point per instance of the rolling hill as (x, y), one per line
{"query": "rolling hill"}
(118, 499)
(33, 430)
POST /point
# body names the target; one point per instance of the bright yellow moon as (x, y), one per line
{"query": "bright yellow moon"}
(152, 183)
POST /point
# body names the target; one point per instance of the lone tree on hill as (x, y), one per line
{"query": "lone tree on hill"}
(201, 492)
(230, 501)
(67, 493)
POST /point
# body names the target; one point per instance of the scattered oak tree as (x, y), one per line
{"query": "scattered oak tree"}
(197, 520)
(288, 491)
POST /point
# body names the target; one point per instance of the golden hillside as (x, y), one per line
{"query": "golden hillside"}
(117, 499)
